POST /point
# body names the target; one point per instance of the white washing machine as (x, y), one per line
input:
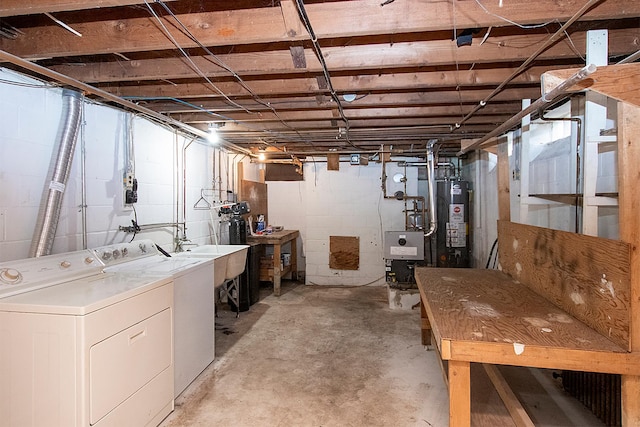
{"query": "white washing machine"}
(194, 308)
(82, 347)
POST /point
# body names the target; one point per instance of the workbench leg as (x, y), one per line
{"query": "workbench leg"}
(277, 272)
(294, 259)
(630, 400)
(459, 394)
(425, 326)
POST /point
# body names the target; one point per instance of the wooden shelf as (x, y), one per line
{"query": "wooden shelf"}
(571, 199)
(266, 274)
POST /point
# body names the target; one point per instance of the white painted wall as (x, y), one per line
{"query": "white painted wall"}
(348, 202)
(31, 118)
(481, 171)
(552, 170)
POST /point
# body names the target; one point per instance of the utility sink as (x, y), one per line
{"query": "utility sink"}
(228, 260)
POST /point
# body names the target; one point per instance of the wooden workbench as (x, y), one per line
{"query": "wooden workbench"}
(277, 240)
(485, 316)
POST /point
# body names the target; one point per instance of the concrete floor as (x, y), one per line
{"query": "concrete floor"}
(328, 356)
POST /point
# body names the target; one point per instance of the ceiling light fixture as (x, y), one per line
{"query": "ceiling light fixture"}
(349, 97)
(213, 136)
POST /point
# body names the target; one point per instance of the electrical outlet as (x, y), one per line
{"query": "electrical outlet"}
(130, 195)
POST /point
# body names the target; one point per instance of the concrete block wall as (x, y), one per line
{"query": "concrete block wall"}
(31, 118)
(348, 202)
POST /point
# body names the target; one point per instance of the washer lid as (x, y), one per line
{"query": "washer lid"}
(82, 296)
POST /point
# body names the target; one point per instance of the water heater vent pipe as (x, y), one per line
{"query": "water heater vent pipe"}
(55, 185)
(433, 221)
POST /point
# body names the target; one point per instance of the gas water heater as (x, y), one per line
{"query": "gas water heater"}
(452, 240)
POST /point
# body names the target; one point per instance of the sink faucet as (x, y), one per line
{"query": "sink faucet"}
(181, 243)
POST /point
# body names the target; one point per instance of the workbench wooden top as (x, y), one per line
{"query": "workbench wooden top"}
(277, 237)
(482, 315)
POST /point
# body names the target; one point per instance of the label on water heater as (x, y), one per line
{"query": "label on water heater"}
(456, 235)
(456, 213)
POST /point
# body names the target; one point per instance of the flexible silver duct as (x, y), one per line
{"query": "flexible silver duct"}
(58, 175)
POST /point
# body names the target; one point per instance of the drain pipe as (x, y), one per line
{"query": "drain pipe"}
(51, 204)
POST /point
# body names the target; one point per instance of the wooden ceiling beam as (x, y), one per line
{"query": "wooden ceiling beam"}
(491, 121)
(30, 7)
(197, 91)
(440, 111)
(266, 25)
(373, 57)
(289, 104)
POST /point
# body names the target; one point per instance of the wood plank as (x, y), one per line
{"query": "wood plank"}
(629, 198)
(482, 309)
(616, 361)
(425, 327)
(504, 183)
(497, 112)
(513, 405)
(621, 82)
(333, 19)
(21, 7)
(275, 62)
(586, 276)
(280, 87)
(629, 202)
(459, 394)
(344, 252)
(142, 34)
(333, 161)
(256, 194)
(293, 25)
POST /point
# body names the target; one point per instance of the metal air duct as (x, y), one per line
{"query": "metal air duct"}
(58, 175)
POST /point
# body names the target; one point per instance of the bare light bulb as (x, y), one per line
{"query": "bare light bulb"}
(213, 136)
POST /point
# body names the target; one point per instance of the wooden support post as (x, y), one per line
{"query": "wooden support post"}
(595, 118)
(294, 259)
(425, 326)
(239, 178)
(504, 178)
(459, 393)
(629, 201)
(524, 162)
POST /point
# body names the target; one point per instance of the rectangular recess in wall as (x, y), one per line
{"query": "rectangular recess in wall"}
(344, 252)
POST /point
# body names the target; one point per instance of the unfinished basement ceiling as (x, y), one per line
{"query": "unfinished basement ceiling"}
(393, 72)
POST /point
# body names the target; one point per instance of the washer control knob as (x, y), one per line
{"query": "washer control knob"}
(65, 264)
(125, 252)
(106, 255)
(10, 275)
(116, 253)
(89, 260)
